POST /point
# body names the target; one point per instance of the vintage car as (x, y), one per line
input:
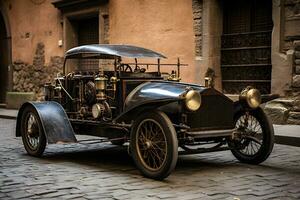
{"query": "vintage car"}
(137, 103)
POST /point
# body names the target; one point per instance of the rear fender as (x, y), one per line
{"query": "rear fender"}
(54, 119)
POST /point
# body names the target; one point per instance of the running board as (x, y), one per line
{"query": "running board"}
(212, 133)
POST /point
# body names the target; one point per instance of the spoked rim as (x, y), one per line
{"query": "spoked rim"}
(32, 131)
(151, 144)
(251, 138)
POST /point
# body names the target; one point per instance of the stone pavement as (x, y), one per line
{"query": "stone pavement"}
(104, 171)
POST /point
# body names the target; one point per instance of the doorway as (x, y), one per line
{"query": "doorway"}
(88, 33)
(4, 59)
(82, 30)
(246, 45)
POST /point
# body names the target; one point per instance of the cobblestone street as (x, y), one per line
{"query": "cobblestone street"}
(103, 171)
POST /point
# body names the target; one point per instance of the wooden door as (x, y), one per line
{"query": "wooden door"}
(88, 33)
(246, 45)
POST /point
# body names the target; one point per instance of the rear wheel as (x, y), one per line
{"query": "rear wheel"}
(32, 133)
(154, 145)
(255, 139)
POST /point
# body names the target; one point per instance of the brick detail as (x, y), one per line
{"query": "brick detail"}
(106, 29)
(197, 17)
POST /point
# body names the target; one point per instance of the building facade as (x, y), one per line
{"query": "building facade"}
(236, 42)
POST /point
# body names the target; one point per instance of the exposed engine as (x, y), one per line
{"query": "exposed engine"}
(84, 95)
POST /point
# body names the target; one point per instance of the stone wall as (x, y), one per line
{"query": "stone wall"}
(106, 29)
(296, 71)
(197, 18)
(290, 23)
(31, 77)
(286, 110)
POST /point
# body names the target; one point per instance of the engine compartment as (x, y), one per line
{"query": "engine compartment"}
(81, 93)
(95, 95)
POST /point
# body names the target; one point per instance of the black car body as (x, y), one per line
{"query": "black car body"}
(151, 110)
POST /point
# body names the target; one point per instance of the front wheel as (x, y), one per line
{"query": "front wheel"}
(255, 139)
(154, 145)
(32, 133)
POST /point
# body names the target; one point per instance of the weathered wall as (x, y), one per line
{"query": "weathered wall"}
(198, 26)
(35, 32)
(285, 63)
(31, 77)
(32, 23)
(210, 59)
(290, 22)
(281, 60)
(163, 26)
(285, 34)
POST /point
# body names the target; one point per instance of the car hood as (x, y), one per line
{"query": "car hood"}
(157, 91)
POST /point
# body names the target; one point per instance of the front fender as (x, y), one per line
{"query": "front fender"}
(243, 106)
(152, 95)
(54, 120)
(158, 90)
(135, 111)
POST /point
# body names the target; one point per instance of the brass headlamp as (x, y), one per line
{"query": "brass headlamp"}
(252, 96)
(193, 100)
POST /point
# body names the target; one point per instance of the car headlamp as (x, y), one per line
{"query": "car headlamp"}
(193, 100)
(252, 97)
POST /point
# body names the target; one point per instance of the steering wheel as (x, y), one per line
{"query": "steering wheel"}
(138, 69)
(124, 68)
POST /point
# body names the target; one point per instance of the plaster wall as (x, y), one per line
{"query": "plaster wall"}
(33, 23)
(163, 26)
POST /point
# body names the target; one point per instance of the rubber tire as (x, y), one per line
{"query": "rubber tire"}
(42, 138)
(268, 139)
(172, 145)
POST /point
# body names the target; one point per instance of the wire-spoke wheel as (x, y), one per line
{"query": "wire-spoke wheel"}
(33, 136)
(154, 145)
(255, 140)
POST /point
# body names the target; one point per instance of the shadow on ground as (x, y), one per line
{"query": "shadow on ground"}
(114, 158)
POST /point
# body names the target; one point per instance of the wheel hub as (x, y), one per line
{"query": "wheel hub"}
(32, 131)
(248, 138)
(148, 144)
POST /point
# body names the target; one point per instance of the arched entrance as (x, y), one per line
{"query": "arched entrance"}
(5, 57)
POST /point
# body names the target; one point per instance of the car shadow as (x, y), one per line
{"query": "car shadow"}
(111, 154)
(116, 158)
